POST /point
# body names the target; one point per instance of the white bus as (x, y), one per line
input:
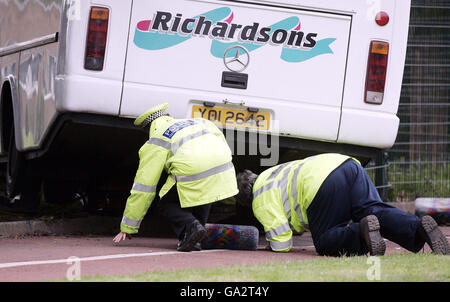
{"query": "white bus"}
(313, 75)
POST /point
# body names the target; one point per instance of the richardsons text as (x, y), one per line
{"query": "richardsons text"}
(166, 22)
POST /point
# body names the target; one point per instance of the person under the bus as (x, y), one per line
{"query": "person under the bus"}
(332, 196)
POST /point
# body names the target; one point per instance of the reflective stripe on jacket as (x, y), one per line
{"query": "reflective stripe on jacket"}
(282, 194)
(197, 158)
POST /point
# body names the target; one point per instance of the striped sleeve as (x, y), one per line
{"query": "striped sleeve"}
(280, 238)
(152, 158)
(272, 216)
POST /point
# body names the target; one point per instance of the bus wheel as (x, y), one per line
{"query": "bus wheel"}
(23, 190)
(15, 168)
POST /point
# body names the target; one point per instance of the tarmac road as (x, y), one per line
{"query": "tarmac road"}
(42, 258)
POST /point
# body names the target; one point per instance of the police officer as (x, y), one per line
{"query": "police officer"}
(197, 158)
(332, 196)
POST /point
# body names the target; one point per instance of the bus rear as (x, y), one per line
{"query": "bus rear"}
(318, 71)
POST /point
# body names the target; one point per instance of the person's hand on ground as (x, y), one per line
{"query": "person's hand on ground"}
(121, 236)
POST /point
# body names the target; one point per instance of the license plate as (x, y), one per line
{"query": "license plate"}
(233, 117)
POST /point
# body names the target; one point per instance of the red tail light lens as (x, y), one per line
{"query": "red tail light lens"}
(376, 72)
(382, 18)
(96, 38)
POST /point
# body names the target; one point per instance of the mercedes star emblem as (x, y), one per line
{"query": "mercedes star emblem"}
(239, 61)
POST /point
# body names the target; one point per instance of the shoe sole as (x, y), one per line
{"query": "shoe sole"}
(197, 237)
(436, 239)
(372, 236)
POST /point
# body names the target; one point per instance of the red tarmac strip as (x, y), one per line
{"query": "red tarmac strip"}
(47, 257)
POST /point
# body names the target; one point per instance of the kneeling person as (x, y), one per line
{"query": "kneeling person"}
(195, 154)
(332, 196)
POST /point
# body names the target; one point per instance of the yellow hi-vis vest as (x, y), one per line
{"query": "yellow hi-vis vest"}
(197, 158)
(283, 193)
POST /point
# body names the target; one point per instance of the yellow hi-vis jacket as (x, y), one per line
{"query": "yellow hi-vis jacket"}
(197, 158)
(283, 193)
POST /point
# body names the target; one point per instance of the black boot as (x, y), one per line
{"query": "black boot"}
(194, 234)
(370, 231)
(430, 232)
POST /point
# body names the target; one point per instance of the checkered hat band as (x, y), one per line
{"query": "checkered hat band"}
(152, 117)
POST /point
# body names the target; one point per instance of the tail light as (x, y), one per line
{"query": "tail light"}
(382, 18)
(96, 38)
(376, 72)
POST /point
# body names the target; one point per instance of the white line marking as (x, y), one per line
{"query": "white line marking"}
(106, 257)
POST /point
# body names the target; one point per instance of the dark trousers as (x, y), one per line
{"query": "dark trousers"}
(170, 208)
(347, 196)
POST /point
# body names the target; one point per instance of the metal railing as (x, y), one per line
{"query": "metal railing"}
(408, 180)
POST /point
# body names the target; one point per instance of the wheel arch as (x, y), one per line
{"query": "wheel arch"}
(8, 103)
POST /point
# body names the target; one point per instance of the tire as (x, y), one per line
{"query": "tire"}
(19, 183)
(15, 168)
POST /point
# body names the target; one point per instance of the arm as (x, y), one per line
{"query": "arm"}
(280, 238)
(152, 159)
(276, 225)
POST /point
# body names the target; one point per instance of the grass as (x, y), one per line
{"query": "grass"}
(392, 268)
